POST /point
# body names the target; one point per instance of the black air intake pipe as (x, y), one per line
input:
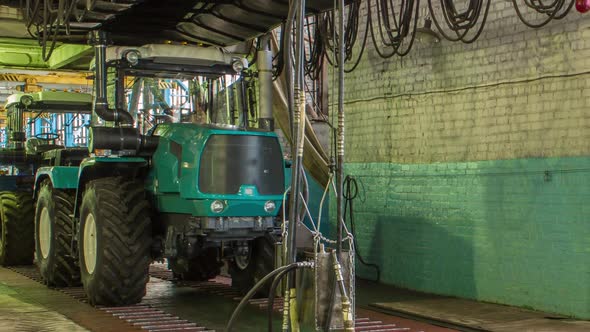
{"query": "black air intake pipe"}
(121, 139)
(100, 105)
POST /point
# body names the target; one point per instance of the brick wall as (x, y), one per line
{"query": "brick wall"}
(507, 231)
(475, 164)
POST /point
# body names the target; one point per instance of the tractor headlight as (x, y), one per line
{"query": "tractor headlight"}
(26, 100)
(269, 206)
(132, 56)
(217, 206)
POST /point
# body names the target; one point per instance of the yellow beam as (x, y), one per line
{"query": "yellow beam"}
(73, 78)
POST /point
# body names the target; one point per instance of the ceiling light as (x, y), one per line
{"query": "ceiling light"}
(425, 34)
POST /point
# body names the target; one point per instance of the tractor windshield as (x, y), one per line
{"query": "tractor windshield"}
(229, 162)
(154, 100)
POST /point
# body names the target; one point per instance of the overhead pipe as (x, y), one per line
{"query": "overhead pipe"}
(100, 106)
(296, 103)
(340, 130)
(266, 120)
(346, 306)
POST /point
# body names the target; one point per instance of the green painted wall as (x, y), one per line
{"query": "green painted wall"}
(506, 231)
(451, 144)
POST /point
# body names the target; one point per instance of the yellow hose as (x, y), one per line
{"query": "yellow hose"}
(293, 311)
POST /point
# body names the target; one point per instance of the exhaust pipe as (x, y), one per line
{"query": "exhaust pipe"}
(266, 120)
(100, 106)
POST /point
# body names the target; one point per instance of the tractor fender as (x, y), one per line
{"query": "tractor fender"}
(61, 177)
(98, 167)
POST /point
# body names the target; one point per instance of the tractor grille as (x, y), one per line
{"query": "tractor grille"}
(230, 161)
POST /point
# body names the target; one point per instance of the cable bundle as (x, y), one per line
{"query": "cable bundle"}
(395, 24)
(46, 18)
(393, 34)
(552, 9)
(461, 22)
(392, 25)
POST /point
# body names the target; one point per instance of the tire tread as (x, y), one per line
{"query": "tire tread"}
(18, 226)
(65, 272)
(127, 228)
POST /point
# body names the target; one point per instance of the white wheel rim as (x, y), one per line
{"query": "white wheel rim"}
(90, 243)
(242, 262)
(45, 232)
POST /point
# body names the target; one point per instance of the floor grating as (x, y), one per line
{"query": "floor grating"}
(151, 318)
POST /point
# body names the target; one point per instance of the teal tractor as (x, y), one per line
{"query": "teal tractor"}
(23, 153)
(195, 194)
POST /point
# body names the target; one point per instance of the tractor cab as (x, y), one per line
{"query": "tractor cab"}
(175, 170)
(176, 83)
(43, 124)
(39, 132)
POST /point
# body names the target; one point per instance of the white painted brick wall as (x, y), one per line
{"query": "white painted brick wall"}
(508, 95)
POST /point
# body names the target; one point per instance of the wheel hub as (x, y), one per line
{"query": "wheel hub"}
(242, 257)
(45, 232)
(90, 243)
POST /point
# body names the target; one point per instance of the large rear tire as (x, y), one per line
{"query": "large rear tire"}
(114, 241)
(16, 228)
(246, 272)
(53, 237)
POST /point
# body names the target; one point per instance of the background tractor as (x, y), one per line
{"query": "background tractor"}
(162, 181)
(29, 135)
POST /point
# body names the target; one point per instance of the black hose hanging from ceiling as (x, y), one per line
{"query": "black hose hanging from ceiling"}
(552, 10)
(461, 22)
(294, 80)
(350, 194)
(287, 66)
(48, 18)
(340, 130)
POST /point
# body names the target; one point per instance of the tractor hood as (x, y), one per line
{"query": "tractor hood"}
(211, 163)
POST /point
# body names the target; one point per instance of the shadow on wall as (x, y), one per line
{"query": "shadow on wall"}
(417, 254)
(514, 232)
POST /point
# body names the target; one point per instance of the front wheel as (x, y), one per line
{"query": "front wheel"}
(16, 228)
(247, 270)
(114, 241)
(53, 237)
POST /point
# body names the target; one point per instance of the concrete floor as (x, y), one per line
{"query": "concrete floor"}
(18, 313)
(462, 313)
(214, 311)
(207, 309)
(26, 305)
